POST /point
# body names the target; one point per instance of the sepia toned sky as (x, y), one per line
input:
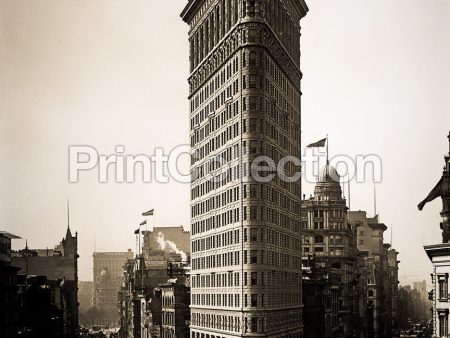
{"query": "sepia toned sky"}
(113, 72)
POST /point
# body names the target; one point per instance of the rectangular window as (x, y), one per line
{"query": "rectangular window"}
(443, 287)
(443, 323)
(254, 256)
(254, 300)
(253, 235)
(254, 324)
(254, 278)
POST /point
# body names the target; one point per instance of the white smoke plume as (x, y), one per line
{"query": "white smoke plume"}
(171, 246)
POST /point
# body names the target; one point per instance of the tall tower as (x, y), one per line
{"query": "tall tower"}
(244, 92)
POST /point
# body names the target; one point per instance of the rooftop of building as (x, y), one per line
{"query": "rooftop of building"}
(193, 5)
(434, 250)
(9, 235)
(118, 253)
(328, 174)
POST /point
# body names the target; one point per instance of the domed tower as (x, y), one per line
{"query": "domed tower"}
(328, 186)
(327, 209)
(329, 243)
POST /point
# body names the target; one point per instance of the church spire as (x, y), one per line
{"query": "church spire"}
(68, 233)
(68, 214)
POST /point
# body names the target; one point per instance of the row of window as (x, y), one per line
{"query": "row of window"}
(266, 257)
(213, 28)
(260, 235)
(218, 322)
(214, 222)
(221, 199)
(278, 84)
(215, 143)
(216, 261)
(216, 241)
(255, 278)
(282, 299)
(168, 318)
(215, 122)
(210, 109)
(271, 215)
(285, 27)
(214, 280)
(250, 213)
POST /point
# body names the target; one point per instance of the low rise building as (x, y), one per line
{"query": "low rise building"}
(145, 279)
(57, 271)
(9, 300)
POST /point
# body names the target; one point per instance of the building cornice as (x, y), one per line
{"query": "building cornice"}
(190, 9)
(378, 226)
(192, 6)
(436, 250)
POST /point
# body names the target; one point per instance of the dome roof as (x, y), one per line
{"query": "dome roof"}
(328, 174)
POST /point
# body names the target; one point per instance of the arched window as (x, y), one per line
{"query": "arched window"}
(370, 293)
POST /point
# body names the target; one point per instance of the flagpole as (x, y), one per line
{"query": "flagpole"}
(374, 199)
(392, 230)
(328, 162)
(68, 214)
(139, 236)
(343, 186)
(349, 205)
(26, 262)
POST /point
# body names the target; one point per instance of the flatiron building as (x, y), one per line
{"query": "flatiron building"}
(244, 94)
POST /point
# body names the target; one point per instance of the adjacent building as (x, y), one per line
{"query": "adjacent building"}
(9, 298)
(320, 301)
(439, 255)
(108, 278)
(244, 93)
(380, 266)
(49, 284)
(175, 312)
(330, 241)
(144, 306)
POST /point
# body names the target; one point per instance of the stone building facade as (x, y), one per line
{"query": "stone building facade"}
(57, 269)
(165, 255)
(108, 278)
(9, 300)
(380, 266)
(108, 274)
(244, 93)
(175, 312)
(439, 255)
(331, 241)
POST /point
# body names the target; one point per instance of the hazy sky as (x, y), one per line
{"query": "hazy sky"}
(110, 72)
